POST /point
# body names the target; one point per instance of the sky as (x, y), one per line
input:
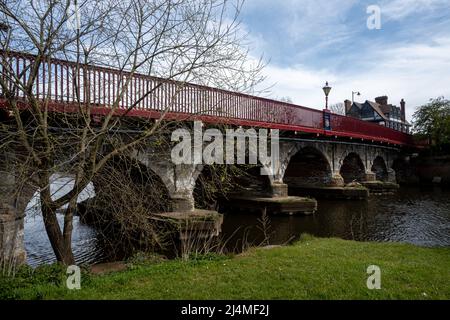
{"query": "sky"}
(308, 42)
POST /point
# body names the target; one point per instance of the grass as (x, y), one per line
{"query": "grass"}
(312, 268)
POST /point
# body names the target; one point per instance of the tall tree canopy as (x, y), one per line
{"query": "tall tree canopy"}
(433, 121)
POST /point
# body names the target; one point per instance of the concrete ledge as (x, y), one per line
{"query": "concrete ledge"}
(197, 223)
(281, 205)
(347, 193)
(279, 190)
(381, 188)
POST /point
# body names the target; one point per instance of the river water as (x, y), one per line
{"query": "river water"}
(420, 216)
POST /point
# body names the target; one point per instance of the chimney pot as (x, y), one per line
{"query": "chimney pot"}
(403, 110)
(348, 105)
(383, 100)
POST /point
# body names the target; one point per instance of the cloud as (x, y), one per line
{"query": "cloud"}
(287, 28)
(400, 9)
(415, 72)
(313, 41)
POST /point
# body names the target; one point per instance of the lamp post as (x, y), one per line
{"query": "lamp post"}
(326, 112)
(326, 90)
(353, 95)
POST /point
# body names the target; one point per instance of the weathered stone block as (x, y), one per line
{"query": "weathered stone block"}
(337, 180)
(11, 237)
(182, 204)
(371, 176)
(279, 190)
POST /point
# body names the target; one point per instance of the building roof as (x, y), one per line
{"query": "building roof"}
(359, 105)
(386, 108)
(377, 108)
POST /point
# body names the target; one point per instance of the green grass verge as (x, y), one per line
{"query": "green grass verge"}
(310, 269)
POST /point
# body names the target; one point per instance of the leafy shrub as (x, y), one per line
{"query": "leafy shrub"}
(144, 258)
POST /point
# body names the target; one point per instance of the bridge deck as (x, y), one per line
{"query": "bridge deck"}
(67, 85)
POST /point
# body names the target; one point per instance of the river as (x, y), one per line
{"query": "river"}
(420, 216)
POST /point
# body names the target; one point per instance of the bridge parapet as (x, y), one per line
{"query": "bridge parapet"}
(106, 90)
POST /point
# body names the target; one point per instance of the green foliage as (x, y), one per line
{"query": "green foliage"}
(27, 278)
(144, 259)
(197, 257)
(433, 121)
(6, 288)
(313, 268)
(29, 283)
(304, 237)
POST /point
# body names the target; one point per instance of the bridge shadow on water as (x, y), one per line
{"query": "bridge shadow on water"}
(420, 216)
(413, 215)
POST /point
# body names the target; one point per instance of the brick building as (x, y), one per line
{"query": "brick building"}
(380, 112)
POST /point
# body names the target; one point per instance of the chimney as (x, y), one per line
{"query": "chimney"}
(383, 100)
(402, 110)
(348, 105)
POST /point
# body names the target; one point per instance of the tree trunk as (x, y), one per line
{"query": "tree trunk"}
(61, 248)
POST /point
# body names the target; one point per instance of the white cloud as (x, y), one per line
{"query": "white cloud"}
(415, 72)
(299, 22)
(400, 61)
(400, 9)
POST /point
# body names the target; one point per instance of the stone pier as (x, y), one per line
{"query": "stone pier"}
(12, 207)
(12, 248)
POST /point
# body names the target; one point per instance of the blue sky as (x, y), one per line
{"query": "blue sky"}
(308, 42)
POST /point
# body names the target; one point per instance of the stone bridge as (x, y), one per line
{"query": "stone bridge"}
(306, 163)
(318, 149)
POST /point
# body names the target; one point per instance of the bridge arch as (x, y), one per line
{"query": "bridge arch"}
(352, 168)
(123, 180)
(215, 181)
(403, 170)
(380, 169)
(141, 182)
(309, 166)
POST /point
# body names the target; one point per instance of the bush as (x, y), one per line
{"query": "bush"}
(304, 237)
(144, 258)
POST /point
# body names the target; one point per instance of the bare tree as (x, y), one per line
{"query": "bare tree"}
(338, 108)
(286, 99)
(180, 41)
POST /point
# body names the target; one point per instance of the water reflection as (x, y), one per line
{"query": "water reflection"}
(86, 246)
(84, 241)
(413, 215)
(420, 217)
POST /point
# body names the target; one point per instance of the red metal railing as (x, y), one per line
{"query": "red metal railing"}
(67, 84)
(351, 127)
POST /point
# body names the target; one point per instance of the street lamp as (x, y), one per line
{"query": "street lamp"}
(326, 90)
(353, 95)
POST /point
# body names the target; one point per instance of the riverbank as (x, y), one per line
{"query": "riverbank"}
(312, 268)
